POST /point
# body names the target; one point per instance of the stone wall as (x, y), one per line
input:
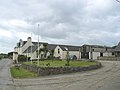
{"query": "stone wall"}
(44, 71)
(109, 58)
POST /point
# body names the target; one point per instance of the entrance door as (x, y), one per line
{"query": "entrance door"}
(101, 54)
(85, 55)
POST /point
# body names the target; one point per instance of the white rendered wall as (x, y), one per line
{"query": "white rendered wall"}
(95, 55)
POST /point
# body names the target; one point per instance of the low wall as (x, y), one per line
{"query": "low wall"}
(109, 58)
(44, 71)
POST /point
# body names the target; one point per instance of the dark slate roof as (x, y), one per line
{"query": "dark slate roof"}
(24, 42)
(18, 44)
(28, 50)
(114, 47)
(117, 48)
(15, 52)
(36, 43)
(69, 48)
(51, 46)
(97, 46)
(35, 47)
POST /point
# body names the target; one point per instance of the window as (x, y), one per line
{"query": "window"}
(37, 54)
(101, 54)
(58, 51)
(113, 53)
(106, 49)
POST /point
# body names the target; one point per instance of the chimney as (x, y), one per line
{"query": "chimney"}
(29, 39)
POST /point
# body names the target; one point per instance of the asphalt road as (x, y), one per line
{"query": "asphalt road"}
(106, 78)
(6, 82)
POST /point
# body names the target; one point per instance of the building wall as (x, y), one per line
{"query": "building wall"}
(34, 55)
(94, 52)
(76, 53)
(107, 54)
(60, 54)
(101, 49)
(15, 57)
(95, 55)
(28, 43)
(63, 54)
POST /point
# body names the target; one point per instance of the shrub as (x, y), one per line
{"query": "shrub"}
(22, 58)
(0, 58)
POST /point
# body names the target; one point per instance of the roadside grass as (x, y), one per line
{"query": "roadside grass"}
(58, 63)
(21, 73)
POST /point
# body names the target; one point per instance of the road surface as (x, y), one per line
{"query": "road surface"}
(6, 82)
(106, 78)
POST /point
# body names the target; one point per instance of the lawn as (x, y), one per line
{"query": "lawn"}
(21, 73)
(58, 63)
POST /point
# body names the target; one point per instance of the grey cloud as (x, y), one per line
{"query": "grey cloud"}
(74, 22)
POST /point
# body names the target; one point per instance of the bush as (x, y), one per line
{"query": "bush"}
(0, 58)
(22, 58)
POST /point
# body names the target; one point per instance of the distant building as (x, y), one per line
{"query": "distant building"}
(95, 51)
(117, 50)
(30, 49)
(61, 51)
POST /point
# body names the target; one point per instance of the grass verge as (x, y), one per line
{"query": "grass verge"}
(58, 63)
(21, 73)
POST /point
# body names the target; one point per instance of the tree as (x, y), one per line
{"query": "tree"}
(68, 59)
(52, 53)
(45, 49)
(10, 55)
(22, 58)
(51, 56)
(3, 55)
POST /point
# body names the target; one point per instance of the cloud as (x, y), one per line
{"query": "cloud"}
(74, 22)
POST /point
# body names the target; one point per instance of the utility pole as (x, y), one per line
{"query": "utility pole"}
(79, 53)
(38, 44)
(31, 48)
(27, 54)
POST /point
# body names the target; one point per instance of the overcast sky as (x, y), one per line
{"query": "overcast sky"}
(74, 22)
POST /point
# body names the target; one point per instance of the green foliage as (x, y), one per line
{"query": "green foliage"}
(68, 59)
(10, 55)
(45, 49)
(2, 55)
(51, 55)
(22, 58)
(21, 73)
